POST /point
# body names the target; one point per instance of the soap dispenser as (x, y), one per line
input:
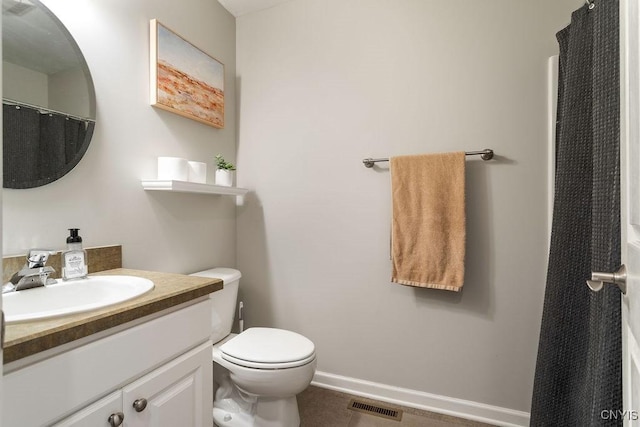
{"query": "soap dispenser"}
(74, 259)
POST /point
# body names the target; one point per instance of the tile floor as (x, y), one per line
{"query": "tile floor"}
(327, 408)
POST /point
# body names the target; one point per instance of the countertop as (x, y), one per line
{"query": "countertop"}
(27, 338)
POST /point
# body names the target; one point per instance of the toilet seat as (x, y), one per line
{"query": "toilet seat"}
(268, 348)
(258, 365)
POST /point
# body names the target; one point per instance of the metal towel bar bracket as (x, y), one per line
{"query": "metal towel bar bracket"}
(486, 154)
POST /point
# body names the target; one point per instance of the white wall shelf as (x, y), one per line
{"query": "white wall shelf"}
(192, 187)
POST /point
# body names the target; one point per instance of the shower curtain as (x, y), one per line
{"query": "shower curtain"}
(579, 366)
(39, 148)
(24, 123)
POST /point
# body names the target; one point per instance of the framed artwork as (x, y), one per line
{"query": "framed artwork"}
(184, 79)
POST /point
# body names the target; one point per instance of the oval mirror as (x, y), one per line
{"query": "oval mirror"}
(47, 95)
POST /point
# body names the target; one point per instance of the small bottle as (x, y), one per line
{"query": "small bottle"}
(74, 259)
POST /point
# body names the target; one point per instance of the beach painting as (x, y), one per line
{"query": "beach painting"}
(184, 79)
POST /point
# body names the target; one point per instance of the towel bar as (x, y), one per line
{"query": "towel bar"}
(486, 154)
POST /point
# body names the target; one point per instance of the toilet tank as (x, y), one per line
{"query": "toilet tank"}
(223, 301)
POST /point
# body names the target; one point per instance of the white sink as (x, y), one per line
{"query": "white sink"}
(71, 297)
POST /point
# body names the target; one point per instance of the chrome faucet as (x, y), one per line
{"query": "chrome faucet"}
(33, 274)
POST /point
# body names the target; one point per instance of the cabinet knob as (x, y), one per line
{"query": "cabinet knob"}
(140, 404)
(116, 419)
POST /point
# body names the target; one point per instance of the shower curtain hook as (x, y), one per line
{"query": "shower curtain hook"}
(591, 4)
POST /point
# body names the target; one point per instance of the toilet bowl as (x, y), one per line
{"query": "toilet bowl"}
(258, 371)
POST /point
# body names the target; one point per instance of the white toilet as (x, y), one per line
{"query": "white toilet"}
(259, 371)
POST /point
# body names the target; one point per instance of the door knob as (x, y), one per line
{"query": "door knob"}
(116, 419)
(618, 278)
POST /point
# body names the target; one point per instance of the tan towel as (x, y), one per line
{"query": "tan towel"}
(428, 227)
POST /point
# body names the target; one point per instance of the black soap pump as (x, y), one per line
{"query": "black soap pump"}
(74, 259)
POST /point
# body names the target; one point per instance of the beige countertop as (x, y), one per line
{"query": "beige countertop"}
(27, 338)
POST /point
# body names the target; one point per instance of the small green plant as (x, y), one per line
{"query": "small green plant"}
(221, 163)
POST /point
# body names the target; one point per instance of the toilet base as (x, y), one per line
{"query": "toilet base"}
(223, 418)
(268, 413)
(233, 407)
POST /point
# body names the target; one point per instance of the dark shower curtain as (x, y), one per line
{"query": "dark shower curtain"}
(39, 148)
(579, 366)
(26, 124)
(51, 149)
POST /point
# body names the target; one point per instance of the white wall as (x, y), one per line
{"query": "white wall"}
(103, 196)
(323, 85)
(65, 94)
(22, 84)
(58, 91)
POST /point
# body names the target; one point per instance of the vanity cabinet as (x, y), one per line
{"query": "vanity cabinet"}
(172, 395)
(165, 360)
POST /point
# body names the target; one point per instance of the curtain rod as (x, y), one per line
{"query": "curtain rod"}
(43, 110)
(486, 154)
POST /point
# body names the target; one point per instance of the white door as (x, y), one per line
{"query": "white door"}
(1, 325)
(630, 209)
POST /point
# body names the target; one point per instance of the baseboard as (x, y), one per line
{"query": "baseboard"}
(421, 400)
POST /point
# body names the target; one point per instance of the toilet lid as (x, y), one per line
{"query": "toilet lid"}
(268, 348)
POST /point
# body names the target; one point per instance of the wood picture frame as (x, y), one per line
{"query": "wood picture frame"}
(184, 79)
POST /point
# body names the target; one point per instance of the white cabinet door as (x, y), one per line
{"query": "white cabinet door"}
(97, 414)
(179, 393)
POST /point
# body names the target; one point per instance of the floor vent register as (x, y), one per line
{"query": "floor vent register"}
(376, 410)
